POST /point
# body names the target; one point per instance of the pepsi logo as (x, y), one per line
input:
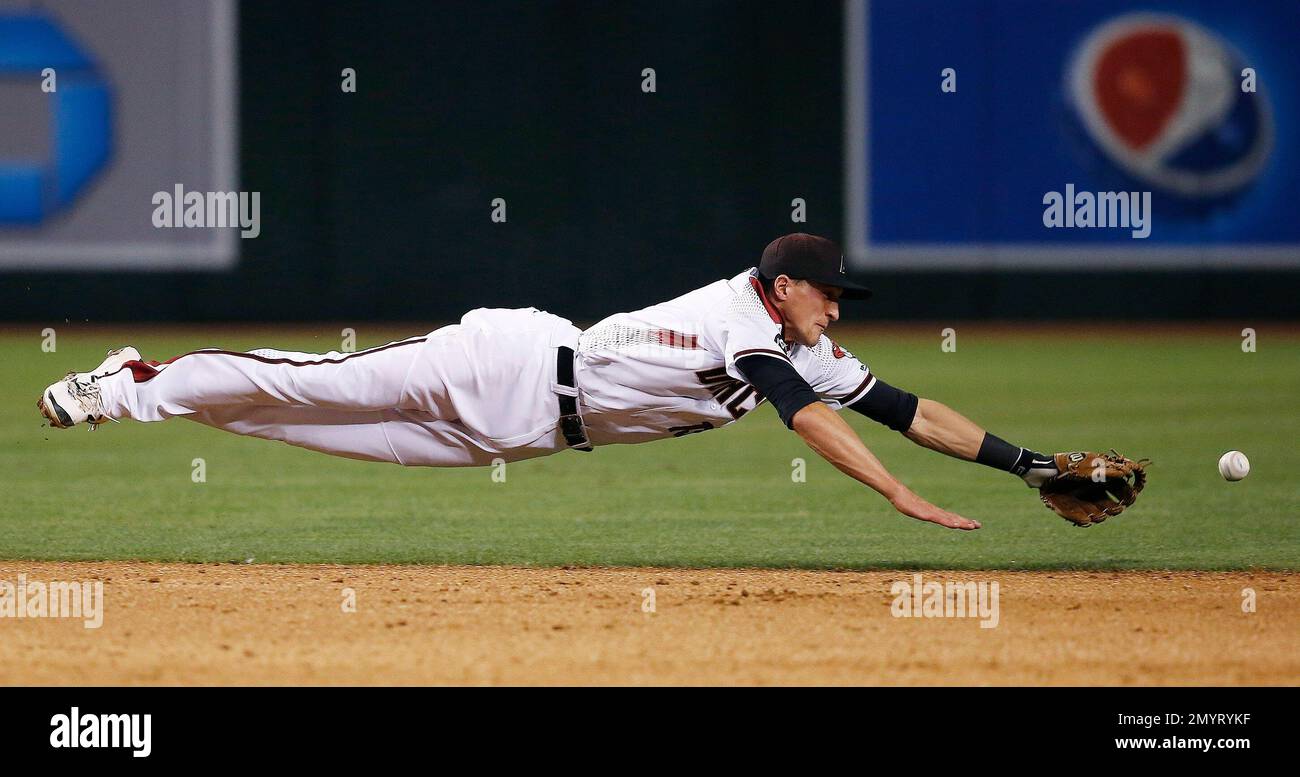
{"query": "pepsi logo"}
(1160, 97)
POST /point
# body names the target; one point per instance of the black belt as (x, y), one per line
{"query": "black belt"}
(570, 421)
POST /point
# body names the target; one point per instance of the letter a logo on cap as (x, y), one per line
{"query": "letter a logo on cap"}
(842, 271)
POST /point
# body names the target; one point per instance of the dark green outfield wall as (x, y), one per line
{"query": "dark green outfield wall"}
(375, 205)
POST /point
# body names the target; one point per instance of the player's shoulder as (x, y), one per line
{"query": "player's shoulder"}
(747, 303)
(731, 304)
(715, 298)
(741, 280)
(744, 283)
(700, 299)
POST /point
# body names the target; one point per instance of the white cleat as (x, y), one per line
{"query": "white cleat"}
(75, 399)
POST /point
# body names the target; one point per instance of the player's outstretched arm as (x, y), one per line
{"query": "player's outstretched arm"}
(1069, 483)
(834, 440)
(940, 428)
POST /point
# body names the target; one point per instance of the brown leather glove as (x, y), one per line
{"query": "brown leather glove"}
(1093, 486)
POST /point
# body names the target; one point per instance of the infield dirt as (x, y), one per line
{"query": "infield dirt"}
(229, 624)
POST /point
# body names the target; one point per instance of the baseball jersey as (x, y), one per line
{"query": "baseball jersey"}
(670, 369)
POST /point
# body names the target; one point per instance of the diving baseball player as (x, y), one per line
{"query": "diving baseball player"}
(516, 384)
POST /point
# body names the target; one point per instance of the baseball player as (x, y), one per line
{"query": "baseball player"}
(512, 384)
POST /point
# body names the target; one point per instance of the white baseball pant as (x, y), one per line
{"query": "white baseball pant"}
(461, 395)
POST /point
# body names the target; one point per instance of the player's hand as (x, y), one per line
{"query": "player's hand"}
(912, 505)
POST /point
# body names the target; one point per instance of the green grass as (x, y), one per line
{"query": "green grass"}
(724, 498)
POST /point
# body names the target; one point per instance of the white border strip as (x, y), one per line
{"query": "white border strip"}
(225, 111)
(1053, 258)
(1042, 257)
(857, 211)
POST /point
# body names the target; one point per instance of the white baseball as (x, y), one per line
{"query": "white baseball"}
(1234, 465)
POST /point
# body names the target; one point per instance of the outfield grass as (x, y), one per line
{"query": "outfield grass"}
(724, 498)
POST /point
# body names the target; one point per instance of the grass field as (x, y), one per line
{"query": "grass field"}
(722, 499)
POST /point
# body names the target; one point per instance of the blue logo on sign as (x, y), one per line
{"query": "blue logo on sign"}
(81, 128)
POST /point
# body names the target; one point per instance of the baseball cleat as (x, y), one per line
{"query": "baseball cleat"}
(75, 399)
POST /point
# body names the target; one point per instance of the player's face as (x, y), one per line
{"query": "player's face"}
(809, 309)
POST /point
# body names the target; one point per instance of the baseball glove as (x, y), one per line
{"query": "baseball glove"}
(1093, 486)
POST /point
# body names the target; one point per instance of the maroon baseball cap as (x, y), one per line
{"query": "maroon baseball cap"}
(810, 258)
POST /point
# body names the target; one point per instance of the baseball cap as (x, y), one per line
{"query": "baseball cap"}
(810, 258)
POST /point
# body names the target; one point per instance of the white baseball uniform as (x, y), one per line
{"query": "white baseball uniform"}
(486, 388)
(670, 369)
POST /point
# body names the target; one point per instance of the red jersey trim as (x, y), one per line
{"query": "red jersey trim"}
(777, 318)
(143, 371)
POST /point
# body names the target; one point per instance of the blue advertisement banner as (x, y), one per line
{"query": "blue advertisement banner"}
(1061, 135)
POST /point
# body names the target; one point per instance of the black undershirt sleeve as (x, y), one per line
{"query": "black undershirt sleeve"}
(778, 380)
(887, 405)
